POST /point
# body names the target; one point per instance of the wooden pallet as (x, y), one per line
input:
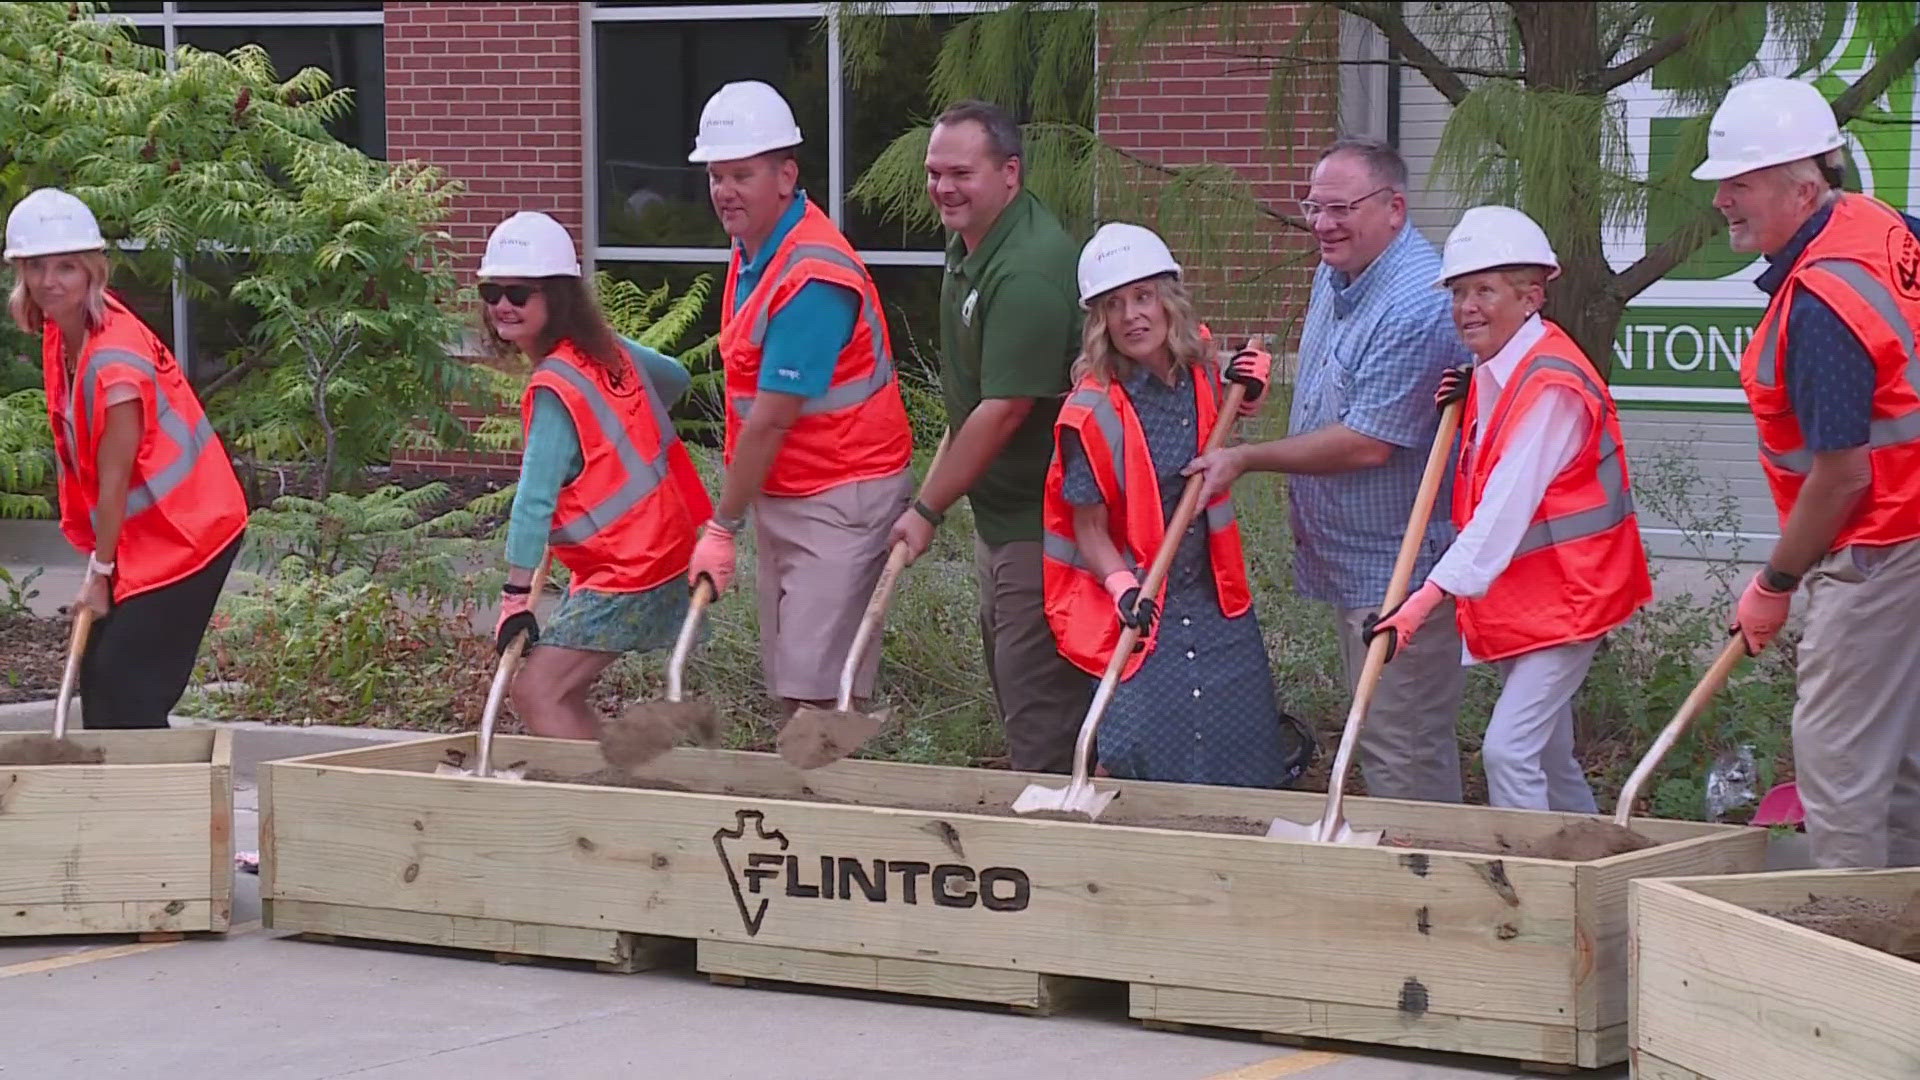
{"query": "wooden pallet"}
(1722, 992)
(142, 844)
(825, 877)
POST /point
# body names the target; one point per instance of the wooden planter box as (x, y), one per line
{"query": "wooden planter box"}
(1512, 957)
(1722, 992)
(142, 843)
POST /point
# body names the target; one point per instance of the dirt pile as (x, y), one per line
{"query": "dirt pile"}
(1579, 841)
(47, 750)
(817, 737)
(1878, 924)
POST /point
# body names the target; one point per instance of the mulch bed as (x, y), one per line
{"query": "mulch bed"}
(33, 655)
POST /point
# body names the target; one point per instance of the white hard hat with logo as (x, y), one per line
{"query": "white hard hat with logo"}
(51, 222)
(742, 119)
(1766, 122)
(529, 245)
(1121, 254)
(1490, 236)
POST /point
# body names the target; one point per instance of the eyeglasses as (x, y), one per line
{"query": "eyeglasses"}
(1338, 211)
(517, 295)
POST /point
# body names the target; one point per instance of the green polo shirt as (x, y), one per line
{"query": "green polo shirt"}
(1010, 328)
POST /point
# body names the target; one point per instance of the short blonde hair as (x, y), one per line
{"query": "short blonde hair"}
(1105, 363)
(27, 314)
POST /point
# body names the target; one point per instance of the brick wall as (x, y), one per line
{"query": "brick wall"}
(1192, 99)
(489, 93)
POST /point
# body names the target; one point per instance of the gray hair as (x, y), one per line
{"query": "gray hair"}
(1383, 162)
(1003, 132)
(1826, 171)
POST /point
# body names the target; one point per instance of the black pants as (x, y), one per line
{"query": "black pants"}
(140, 657)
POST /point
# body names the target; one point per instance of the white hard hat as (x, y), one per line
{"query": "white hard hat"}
(1765, 122)
(742, 119)
(529, 245)
(1121, 254)
(1490, 236)
(51, 222)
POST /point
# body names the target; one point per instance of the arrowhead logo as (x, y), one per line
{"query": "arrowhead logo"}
(754, 867)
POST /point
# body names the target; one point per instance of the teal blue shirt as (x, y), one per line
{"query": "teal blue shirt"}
(552, 458)
(804, 338)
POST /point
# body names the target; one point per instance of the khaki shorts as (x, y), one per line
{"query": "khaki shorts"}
(819, 559)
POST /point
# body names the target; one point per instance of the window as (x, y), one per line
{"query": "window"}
(353, 56)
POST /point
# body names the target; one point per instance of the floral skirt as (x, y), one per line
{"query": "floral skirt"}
(610, 622)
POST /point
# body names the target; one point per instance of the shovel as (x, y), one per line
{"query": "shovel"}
(1079, 796)
(816, 737)
(57, 749)
(502, 678)
(1332, 826)
(1696, 703)
(650, 728)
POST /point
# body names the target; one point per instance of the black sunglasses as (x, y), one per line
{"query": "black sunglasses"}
(517, 295)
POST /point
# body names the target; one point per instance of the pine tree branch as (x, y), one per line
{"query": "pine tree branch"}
(1444, 76)
(1320, 61)
(1894, 62)
(1671, 252)
(1168, 170)
(1625, 72)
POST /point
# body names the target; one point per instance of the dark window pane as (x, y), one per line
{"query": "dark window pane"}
(355, 56)
(133, 9)
(654, 78)
(268, 5)
(217, 325)
(881, 106)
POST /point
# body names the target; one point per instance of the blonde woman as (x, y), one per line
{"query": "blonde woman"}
(146, 489)
(1195, 703)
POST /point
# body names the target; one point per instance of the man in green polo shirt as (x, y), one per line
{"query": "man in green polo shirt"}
(1009, 331)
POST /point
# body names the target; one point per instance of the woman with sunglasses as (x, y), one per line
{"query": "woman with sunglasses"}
(146, 488)
(605, 483)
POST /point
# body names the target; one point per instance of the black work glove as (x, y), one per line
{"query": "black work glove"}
(1251, 368)
(1454, 383)
(510, 628)
(1139, 618)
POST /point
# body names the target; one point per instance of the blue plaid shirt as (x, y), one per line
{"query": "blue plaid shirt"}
(1371, 354)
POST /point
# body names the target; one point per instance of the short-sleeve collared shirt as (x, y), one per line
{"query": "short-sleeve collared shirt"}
(1371, 353)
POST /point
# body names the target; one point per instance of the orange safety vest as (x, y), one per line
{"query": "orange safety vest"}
(184, 503)
(1866, 265)
(1580, 569)
(858, 429)
(627, 522)
(1078, 608)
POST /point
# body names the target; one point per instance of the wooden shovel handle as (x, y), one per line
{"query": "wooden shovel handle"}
(1690, 709)
(76, 648)
(689, 629)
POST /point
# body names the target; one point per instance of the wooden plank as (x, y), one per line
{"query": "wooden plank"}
(1789, 888)
(611, 947)
(220, 831)
(159, 746)
(1020, 989)
(1736, 995)
(72, 834)
(413, 755)
(1352, 1023)
(1600, 965)
(1483, 937)
(105, 917)
(1648, 1067)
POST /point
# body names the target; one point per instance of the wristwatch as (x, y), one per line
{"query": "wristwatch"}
(95, 566)
(1779, 580)
(933, 517)
(730, 525)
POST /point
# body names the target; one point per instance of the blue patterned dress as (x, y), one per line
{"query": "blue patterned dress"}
(1201, 708)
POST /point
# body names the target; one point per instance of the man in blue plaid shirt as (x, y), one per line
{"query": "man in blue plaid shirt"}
(1377, 336)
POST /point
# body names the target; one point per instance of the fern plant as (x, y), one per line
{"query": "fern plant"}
(397, 536)
(26, 456)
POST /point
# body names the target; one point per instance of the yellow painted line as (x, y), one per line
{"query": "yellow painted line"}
(55, 963)
(1300, 1061)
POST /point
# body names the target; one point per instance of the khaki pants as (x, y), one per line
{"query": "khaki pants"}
(819, 558)
(1856, 724)
(1410, 747)
(1528, 752)
(1043, 698)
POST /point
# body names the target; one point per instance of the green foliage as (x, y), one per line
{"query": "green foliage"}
(399, 538)
(26, 455)
(18, 593)
(663, 322)
(339, 261)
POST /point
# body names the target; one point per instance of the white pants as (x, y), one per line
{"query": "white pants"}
(1528, 752)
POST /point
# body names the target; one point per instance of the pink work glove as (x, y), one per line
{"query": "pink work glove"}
(712, 557)
(1251, 367)
(516, 615)
(1400, 623)
(1760, 614)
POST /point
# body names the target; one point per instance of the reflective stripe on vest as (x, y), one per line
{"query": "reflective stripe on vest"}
(643, 475)
(1888, 431)
(190, 438)
(845, 396)
(1593, 521)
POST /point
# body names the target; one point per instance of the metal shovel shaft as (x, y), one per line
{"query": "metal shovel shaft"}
(1690, 709)
(76, 648)
(683, 645)
(503, 674)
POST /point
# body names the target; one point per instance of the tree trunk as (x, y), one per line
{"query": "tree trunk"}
(1560, 44)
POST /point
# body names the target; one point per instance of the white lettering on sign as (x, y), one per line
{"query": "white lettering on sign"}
(1680, 347)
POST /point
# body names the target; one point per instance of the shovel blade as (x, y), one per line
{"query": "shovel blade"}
(1284, 829)
(1075, 798)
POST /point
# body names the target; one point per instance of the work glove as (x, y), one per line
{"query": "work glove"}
(1400, 623)
(1136, 612)
(516, 615)
(1760, 614)
(1454, 384)
(1251, 367)
(712, 558)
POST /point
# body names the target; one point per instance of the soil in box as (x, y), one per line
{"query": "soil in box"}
(1878, 924)
(47, 750)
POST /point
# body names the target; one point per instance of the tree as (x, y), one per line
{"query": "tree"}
(225, 174)
(1536, 121)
